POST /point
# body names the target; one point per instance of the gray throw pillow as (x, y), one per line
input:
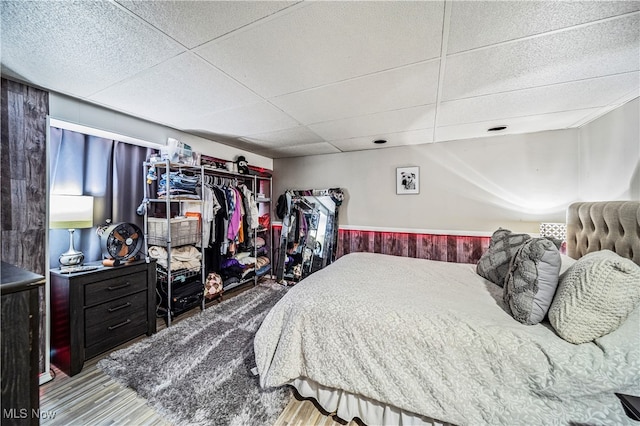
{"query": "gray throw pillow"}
(494, 263)
(532, 280)
(595, 296)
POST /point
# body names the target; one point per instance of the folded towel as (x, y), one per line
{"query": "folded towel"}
(184, 257)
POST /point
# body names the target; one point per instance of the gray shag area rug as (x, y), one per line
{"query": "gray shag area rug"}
(198, 371)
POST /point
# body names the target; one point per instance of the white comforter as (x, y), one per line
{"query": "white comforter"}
(433, 338)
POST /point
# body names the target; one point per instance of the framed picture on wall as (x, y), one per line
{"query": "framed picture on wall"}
(408, 180)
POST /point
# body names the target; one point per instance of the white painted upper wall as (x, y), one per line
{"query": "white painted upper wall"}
(610, 155)
(75, 111)
(514, 181)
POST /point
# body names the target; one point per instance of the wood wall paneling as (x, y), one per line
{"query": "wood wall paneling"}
(23, 211)
(16, 393)
(24, 180)
(448, 248)
(20, 322)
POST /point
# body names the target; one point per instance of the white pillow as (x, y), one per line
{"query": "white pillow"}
(566, 263)
(595, 296)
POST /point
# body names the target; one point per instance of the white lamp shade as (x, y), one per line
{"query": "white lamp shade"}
(70, 212)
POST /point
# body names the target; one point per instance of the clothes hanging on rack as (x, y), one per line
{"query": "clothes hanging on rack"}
(236, 215)
(231, 217)
(210, 207)
(251, 207)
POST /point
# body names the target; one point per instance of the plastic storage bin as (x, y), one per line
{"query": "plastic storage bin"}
(183, 231)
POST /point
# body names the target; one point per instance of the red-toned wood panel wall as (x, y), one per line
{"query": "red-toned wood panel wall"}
(448, 248)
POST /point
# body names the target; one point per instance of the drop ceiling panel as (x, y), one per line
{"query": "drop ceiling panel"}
(420, 117)
(414, 137)
(77, 47)
(288, 137)
(246, 120)
(288, 77)
(478, 23)
(325, 42)
(540, 100)
(399, 88)
(301, 151)
(605, 48)
(536, 123)
(193, 23)
(176, 90)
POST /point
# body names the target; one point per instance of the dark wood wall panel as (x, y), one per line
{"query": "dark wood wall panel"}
(24, 179)
(448, 248)
(23, 214)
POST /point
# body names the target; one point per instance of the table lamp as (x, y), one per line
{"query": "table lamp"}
(71, 212)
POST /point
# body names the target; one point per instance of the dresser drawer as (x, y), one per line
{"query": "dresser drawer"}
(109, 324)
(109, 339)
(113, 312)
(102, 291)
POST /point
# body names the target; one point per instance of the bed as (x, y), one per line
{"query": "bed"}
(394, 340)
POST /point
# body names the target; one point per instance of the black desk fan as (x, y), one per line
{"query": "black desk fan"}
(120, 242)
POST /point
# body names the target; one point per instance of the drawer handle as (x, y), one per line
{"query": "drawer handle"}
(111, 288)
(115, 308)
(113, 327)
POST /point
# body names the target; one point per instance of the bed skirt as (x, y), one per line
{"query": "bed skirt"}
(347, 406)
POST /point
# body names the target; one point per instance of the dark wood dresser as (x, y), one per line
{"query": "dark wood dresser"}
(20, 345)
(94, 311)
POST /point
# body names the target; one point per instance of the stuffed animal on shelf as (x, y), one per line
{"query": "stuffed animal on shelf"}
(243, 166)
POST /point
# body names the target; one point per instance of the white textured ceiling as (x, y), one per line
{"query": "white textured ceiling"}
(287, 79)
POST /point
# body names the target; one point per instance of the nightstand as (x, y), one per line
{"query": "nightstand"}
(97, 310)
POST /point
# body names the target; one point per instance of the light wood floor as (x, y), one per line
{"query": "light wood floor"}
(93, 398)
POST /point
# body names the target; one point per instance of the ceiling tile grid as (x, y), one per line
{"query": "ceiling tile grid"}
(285, 138)
(287, 78)
(246, 120)
(562, 97)
(412, 137)
(479, 23)
(301, 150)
(516, 125)
(193, 23)
(177, 89)
(414, 118)
(403, 87)
(601, 49)
(326, 42)
(77, 47)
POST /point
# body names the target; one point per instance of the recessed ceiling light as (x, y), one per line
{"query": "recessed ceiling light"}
(496, 129)
(380, 141)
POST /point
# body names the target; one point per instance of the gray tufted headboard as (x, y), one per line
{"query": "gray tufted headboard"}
(613, 225)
